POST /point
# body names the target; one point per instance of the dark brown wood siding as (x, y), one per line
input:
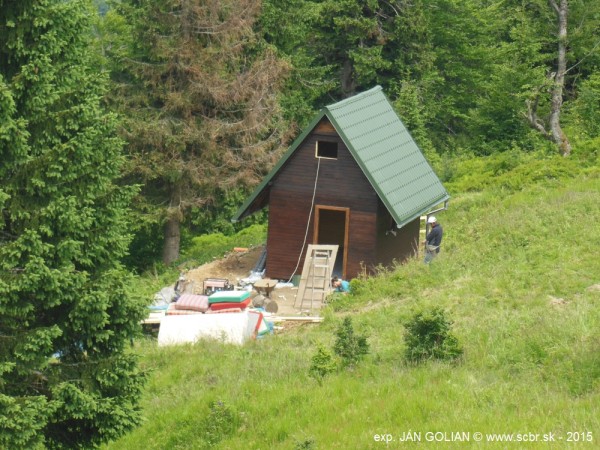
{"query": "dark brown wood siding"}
(400, 247)
(341, 183)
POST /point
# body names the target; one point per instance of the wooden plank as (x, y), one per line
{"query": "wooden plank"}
(154, 318)
(314, 319)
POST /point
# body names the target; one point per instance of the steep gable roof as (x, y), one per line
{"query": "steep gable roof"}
(383, 149)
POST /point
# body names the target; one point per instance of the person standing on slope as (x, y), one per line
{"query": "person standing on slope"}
(433, 240)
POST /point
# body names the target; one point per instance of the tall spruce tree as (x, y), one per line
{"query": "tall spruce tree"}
(67, 376)
(199, 90)
(288, 25)
(349, 36)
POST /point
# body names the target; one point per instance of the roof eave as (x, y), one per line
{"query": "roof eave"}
(400, 224)
(241, 212)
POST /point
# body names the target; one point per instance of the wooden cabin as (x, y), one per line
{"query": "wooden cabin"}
(355, 178)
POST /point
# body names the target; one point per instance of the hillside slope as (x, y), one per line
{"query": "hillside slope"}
(520, 277)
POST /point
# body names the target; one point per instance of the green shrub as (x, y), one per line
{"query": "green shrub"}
(221, 422)
(348, 345)
(322, 364)
(428, 336)
(306, 444)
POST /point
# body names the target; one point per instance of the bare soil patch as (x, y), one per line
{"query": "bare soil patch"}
(234, 266)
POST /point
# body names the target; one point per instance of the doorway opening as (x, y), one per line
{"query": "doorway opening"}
(331, 228)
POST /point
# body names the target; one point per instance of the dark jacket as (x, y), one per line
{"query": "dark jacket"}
(434, 237)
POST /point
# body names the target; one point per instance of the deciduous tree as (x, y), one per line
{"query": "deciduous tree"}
(551, 128)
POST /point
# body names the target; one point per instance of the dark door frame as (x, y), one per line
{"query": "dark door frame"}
(318, 209)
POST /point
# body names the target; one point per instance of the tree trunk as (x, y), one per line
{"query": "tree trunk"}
(558, 136)
(172, 238)
(347, 79)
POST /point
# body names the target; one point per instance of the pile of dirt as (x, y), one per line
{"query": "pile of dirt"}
(234, 266)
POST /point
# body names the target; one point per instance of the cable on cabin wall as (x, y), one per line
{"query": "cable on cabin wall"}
(312, 206)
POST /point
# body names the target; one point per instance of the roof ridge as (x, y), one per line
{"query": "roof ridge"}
(354, 98)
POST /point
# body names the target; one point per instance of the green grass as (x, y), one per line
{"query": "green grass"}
(516, 276)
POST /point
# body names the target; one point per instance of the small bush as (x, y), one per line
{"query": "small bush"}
(222, 421)
(349, 346)
(428, 336)
(306, 444)
(322, 364)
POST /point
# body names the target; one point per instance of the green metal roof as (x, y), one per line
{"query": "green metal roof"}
(383, 149)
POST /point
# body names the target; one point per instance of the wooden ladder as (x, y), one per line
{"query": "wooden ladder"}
(315, 281)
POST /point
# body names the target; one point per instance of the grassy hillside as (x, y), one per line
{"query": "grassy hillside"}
(519, 276)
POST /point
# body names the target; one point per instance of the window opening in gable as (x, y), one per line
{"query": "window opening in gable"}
(327, 149)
